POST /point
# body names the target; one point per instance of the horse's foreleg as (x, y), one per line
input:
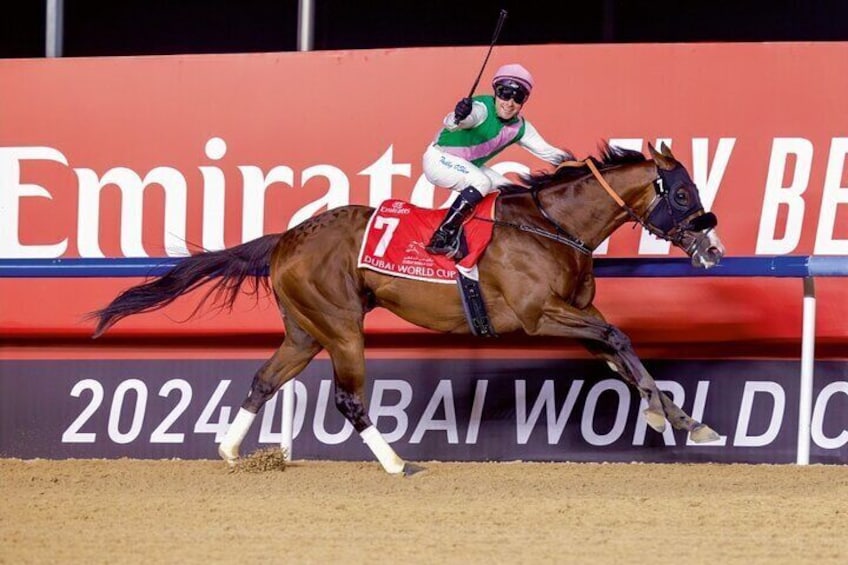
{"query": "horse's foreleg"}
(617, 347)
(349, 377)
(698, 432)
(288, 361)
(679, 419)
(610, 343)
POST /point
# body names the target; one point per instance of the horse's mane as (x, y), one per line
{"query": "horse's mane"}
(609, 156)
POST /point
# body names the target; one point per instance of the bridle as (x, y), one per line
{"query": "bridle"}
(674, 210)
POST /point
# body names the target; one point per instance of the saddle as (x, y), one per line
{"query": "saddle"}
(394, 242)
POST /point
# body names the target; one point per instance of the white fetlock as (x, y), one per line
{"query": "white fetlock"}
(229, 448)
(228, 454)
(387, 457)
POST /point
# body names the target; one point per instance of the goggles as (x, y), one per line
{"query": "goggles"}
(506, 92)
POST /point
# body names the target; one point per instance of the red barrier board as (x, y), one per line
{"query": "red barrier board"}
(137, 156)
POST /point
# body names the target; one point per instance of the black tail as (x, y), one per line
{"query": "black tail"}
(228, 269)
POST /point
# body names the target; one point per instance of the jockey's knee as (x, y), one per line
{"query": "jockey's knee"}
(481, 183)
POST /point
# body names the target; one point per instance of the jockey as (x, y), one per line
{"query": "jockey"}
(477, 130)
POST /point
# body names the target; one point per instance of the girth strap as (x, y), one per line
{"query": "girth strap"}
(475, 308)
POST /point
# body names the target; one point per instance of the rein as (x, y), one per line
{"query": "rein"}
(613, 194)
(618, 200)
(561, 235)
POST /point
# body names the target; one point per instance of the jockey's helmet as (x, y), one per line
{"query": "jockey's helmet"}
(514, 75)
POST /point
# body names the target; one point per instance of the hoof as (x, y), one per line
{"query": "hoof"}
(410, 469)
(702, 433)
(230, 458)
(655, 419)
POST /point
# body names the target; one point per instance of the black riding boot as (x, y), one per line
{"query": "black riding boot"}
(444, 240)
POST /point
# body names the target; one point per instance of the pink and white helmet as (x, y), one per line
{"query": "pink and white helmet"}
(514, 73)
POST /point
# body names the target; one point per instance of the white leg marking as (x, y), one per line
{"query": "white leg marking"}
(382, 450)
(229, 448)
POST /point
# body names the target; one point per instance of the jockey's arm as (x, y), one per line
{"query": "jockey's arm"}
(533, 142)
(478, 115)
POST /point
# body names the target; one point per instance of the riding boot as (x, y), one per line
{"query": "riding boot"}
(444, 240)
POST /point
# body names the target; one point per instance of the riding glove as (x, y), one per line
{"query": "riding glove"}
(462, 110)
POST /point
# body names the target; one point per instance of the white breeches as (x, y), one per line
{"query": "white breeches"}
(449, 171)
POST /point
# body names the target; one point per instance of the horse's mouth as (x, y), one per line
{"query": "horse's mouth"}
(706, 249)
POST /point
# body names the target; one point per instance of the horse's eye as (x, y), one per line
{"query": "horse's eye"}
(681, 197)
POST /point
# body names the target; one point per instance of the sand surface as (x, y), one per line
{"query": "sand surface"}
(136, 511)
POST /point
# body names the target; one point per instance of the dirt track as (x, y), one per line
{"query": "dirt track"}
(131, 511)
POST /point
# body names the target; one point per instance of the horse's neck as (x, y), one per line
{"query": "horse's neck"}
(588, 212)
(634, 184)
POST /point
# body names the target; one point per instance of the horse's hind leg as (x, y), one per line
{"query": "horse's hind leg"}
(331, 311)
(291, 358)
(348, 357)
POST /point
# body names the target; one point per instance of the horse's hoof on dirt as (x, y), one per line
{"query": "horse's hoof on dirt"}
(655, 419)
(702, 433)
(228, 457)
(410, 469)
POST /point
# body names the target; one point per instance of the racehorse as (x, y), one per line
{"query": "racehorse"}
(535, 277)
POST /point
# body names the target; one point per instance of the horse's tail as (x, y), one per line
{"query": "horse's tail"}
(228, 269)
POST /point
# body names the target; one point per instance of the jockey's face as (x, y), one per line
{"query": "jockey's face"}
(509, 101)
(507, 109)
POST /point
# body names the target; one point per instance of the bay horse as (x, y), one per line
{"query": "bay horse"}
(530, 281)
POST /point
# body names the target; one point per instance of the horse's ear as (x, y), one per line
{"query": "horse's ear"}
(652, 151)
(663, 158)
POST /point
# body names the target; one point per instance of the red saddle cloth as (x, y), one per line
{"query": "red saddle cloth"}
(398, 231)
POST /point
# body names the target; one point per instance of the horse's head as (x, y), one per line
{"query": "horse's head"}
(677, 215)
(658, 194)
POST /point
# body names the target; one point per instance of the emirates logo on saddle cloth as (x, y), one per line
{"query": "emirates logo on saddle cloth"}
(398, 231)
